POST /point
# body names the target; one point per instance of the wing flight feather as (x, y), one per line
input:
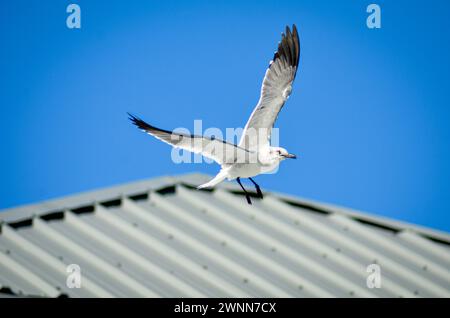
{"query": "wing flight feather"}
(218, 150)
(275, 90)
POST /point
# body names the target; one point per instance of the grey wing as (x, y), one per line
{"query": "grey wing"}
(275, 90)
(218, 150)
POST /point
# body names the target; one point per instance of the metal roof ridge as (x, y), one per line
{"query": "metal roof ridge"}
(90, 197)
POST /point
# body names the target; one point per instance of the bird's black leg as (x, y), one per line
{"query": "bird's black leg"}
(258, 190)
(246, 194)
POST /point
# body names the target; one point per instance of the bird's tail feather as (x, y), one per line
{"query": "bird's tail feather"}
(217, 179)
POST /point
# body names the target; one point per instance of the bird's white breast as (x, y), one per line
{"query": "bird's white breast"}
(248, 170)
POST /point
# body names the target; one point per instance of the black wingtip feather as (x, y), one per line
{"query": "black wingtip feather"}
(289, 47)
(145, 126)
(139, 122)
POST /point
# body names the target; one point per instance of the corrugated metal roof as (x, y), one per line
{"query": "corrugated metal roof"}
(162, 238)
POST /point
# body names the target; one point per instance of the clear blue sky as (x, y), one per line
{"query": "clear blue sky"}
(368, 117)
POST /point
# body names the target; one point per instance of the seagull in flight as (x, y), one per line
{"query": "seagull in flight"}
(253, 155)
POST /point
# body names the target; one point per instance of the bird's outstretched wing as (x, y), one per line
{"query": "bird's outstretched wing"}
(275, 90)
(218, 150)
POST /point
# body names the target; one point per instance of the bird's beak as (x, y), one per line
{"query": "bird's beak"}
(291, 156)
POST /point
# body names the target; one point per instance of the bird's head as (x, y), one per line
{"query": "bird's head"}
(281, 153)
